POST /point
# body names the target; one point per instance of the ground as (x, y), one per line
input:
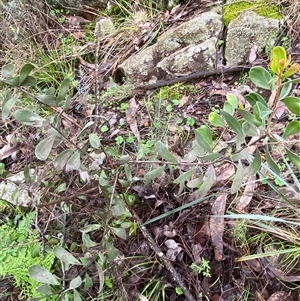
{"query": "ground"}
(127, 198)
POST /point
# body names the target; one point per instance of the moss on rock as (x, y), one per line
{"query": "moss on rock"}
(262, 8)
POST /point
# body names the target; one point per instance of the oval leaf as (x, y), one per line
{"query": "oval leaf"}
(28, 117)
(26, 69)
(295, 159)
(153, 174)
(65, 256)
(293, 104)
(201, 140)
(260, 77)
(164, 152)
(42, 275)
(8, 70)
(76, 282)
(233, 123)
(43, 149)
(216, 120)
(7, 106)
(254, 167)
(94, 140)
(292, 128)
(73, 162)
(63, 89)
(61, 159)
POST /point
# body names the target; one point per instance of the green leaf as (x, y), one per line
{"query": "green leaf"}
(261, 111)
(206, 133)
(231, 104)
(238, 178)
(234, 124)
(292, 128)
(13, 81)
(260, 77)
(295, 159)
(112, 253)
(120, 232)
(210, 157)
(7, 70)
(74, 162)
(29, 81)
(253, 98)
(7, 106)
(63, 89)
(42, 275)
(274, 167)
(76, 296)
(209, 179)
(76, 282)
(201, 140)
(63, 255)
(164, 152)
(250, 117)
(216, 120)
(45, 289)
(43, 149)
(278, 54)
(254, 167)
(26, 69)
(185, 176)
(153, 174)
(61, 160)
(286, 89)
(49, 100)
(88, 282)
(28, 117)
(250, 129)
(240, 155)
(101, 274)
(94, 140)
(293, 104)
(90, 228)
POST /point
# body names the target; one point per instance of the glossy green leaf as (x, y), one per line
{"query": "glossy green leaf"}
(94, 140)
(255, 165)
(42, 275)
(253, 98)
(234, 124)
(201, 140)
(63, 89)
(153, 174)
(26, 69)
(163, 151)
(216, 120)
(61, 159)
(278, 55)
(293, 104)
(285, 90)
(76, 282)
(260, 77)
(74, 162)
(271, 162)
(206, 133)
(65, 256)
(261, 111)
(44, 147)
(231, 104)
(7, 70)
(295, 159)
(250, 117)
(185, 176)
(238, 178)
(292, 128)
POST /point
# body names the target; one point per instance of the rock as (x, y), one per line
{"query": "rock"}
(245, 31)
(185, 49)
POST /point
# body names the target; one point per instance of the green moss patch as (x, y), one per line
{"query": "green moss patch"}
(262, 8)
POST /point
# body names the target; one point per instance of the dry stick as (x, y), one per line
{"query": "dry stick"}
(166, 262)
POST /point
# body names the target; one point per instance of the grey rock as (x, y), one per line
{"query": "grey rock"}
(179, 51)
(247, 30)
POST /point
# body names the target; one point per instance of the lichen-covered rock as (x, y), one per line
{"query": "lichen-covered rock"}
(185, 49)
(245, 31)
